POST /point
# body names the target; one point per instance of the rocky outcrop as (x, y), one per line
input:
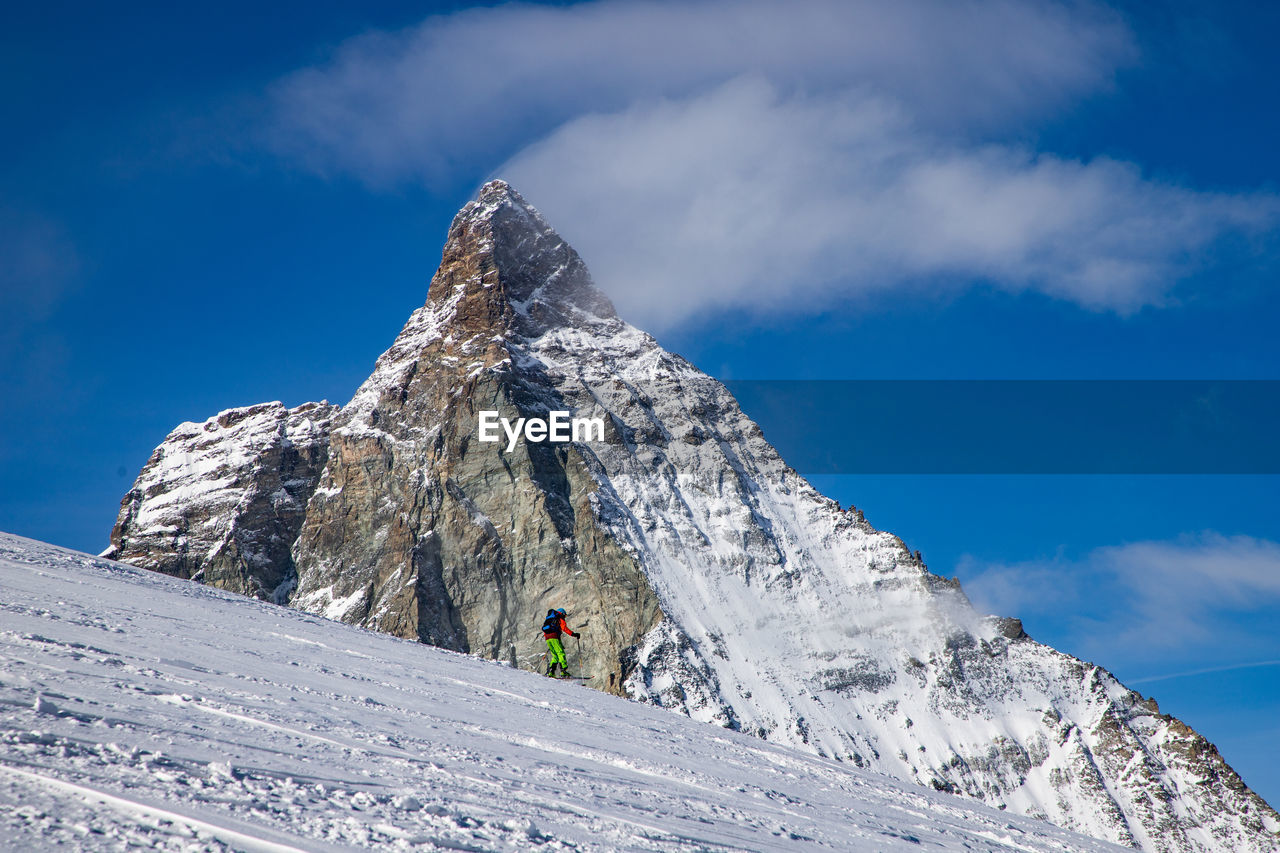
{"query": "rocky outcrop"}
(715, 581)
(222, 501)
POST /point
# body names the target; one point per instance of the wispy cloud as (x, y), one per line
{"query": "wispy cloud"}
(1205, 671)
(459, 90)
(714, 154)
(1144, 599)
(743, 196)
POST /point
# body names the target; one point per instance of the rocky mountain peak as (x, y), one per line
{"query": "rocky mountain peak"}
(504, 269)
(505, 280)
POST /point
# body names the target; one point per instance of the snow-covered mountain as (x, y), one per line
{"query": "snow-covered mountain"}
(714, 580)
(139, 711)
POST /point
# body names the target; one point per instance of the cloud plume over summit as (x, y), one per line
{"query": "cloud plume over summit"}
(759, 155)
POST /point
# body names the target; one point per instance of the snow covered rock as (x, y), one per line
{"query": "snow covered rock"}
(694, 551)
(222, 501)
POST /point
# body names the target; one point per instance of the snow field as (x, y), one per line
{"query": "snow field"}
(141, 711)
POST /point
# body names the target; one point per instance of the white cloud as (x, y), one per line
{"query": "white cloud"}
(1143, 598)
(1177, 586)
(744, 197)
(763, 156)
(464, 89)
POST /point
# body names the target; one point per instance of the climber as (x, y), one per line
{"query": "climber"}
(552, 628)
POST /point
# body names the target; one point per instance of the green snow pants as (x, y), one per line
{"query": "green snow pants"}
(555, 657)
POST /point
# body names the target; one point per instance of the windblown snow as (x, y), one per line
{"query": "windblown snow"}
(141, 710)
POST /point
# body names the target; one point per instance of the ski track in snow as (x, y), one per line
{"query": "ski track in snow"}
(148, 712)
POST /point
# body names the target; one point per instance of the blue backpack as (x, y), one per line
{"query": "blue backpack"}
(552, 623)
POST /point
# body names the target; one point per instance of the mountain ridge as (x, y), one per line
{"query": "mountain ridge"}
(686, 542)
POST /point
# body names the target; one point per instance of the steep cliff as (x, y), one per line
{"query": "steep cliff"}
(715, 581)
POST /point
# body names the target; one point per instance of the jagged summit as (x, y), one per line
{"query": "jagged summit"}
(491, 197)
(716, 581)
(506, 278)
(503, 262)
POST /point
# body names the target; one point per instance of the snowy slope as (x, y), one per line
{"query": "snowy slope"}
(143, 709)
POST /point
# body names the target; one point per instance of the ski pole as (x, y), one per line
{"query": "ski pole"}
(578, 645)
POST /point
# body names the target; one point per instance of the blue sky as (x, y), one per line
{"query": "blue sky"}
(207, 207)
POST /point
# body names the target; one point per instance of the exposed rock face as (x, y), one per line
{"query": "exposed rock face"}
(419, 529)
(223, 501)
(716, 581)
